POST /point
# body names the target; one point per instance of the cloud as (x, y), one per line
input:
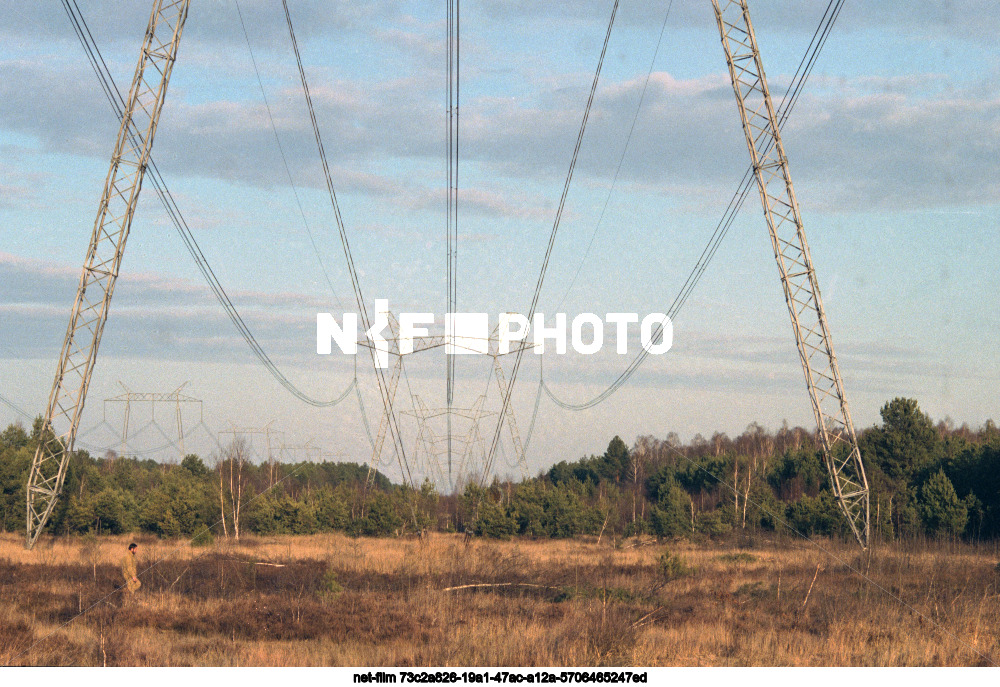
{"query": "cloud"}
(216, 24)
(873, 143)
(152, 316)
(867, 142)
(958, 18)
(885, 150)
(212, 23)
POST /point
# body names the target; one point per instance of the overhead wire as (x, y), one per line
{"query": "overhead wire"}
(305, 221)
(695, 275)
(117, 102)
(361, 405)
(452, 54)
(552, 237)
(345, 244)
(93, 448)
(284, 159)
(534, 412)
(621, 159)
(785, 108)
(16, 408)
(600, 219)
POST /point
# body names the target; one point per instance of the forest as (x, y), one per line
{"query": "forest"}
(926, 480)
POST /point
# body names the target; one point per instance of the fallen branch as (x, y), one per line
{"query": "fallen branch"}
(639, 623)
(806, 600)
(239, 560)
(178, 578)
(499, 584)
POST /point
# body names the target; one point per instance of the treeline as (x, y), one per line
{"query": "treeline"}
(925, 479)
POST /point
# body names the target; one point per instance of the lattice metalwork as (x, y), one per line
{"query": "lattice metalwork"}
(434, 448)
(383, 425)
(420, 344)
(798, 277)
(508, 415)
(100, 270)
(173, 399)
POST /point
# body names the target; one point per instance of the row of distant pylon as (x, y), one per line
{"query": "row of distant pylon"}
(276, 447)
(438, 452)
(432, 454)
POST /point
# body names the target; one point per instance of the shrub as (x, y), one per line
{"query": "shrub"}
(494, 521)
(203, 538)
(814, 515)
(329, 587)
(380, 520)
(638, 527)
(672, 566)
(671, 516)
(713, 523)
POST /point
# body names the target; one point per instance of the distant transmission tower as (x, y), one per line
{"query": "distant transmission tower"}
(174, 400)
(425, 343)
(435, 448)
(267, 433)
(506, 407)
(291, 452)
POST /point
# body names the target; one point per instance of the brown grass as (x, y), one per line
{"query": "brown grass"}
(333, 600)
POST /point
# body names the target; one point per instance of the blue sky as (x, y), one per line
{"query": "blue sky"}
(892, 147)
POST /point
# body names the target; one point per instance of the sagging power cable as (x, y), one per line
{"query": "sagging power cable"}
(785, 108)
(284, 159)
(451, 213)
(383, 385)
(621, 159)
(552, 239)
(117, 102)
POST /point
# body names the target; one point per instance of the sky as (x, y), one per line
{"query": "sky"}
(892, 149)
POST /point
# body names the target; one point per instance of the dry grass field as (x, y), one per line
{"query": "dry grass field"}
(333, 600)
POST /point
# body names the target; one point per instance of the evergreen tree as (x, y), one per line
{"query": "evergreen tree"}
(941, 509)
(906, 442)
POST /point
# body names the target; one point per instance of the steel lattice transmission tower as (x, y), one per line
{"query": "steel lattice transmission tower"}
(798, 277)
(174, 399)
(434, 447)
(100, 269)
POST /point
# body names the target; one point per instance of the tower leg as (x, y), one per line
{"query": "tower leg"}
(100, 269)
(798, 277)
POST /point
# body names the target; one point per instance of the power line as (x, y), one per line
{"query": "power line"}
(788, 102)
(117, 102)
(721, 230)
(284, 160)
(621, 160)
(355, 281)
(790, 98)
(451, 214)
(552, 238)
(16, 408)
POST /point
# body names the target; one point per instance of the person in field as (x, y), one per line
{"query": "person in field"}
(129, 570)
